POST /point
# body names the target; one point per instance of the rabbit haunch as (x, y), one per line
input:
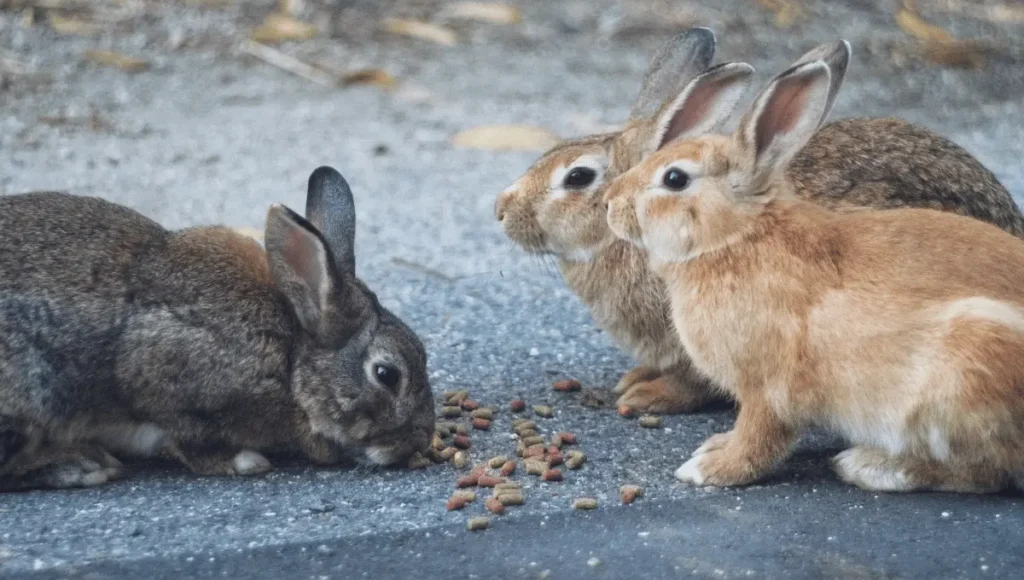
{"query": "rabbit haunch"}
(120, 336)
(902, 330)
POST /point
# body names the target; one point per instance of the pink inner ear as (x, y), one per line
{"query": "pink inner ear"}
(783, 110)
(302, 255)
(698, 105)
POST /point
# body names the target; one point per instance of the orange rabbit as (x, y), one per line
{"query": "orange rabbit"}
(902, 330)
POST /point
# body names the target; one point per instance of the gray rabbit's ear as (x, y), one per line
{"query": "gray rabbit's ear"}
(677, 62)
(329, 306)
(836, 56)
(704, 104)
(332, 211)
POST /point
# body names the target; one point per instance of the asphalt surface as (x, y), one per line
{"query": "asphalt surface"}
(210, 136)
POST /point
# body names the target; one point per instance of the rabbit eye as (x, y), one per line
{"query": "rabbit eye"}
(676, 179)
(387, 375)
(579, 177)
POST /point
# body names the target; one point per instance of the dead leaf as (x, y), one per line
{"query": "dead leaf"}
(787, 12)
(369, 76)
(492, 12)
(914, 25)
(68, 25)
(422, 30)
(116, 60)
(277, 28)
(968, 54)
(987, 11)
(506, 138)
(248, 232)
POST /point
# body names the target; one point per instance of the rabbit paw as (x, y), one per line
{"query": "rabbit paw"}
(249, 462)
(662, 395)
(872, 469)
(718, 463)
(215, 461)
(78, 466)
(634, 376)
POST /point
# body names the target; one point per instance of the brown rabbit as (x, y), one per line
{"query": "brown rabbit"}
(555, 208)
(902, 330)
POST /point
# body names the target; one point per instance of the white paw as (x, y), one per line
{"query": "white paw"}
(249, 462)
(870, 469)
(689, 472)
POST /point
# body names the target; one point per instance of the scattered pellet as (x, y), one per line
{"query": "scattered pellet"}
(478, 471)
(446, 427)
(531, 441)
(469, 405)
(576, 459)
(567, 385)
(544, 411)
(650, 421)
(467, 481)
(520, 449)
(456, 397)
(535, 466)
(555, 459)
(462, 442)
(434, 455)
(556, 441)
(511, 498)
(437, 443)
(567, 438)
(517, 406)
(526, 433)
(625, 411)
(481, 424)
(478, 523)
(534, 451)
(584, 503)
(494, 506)
(461, 459)
(418, 461)
(496, 462)
(448, 453)
(482, 413)
(456, 503)
(507, 486)
(451, 412)
(508, 468)
(523, 425)
(461, 429)
(551, 475)
(630, 493)
(488, 481)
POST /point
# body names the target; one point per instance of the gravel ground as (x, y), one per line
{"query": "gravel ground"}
(210, 136)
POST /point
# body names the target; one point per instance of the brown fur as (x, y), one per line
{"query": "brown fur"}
(902, 330)
(850, 163)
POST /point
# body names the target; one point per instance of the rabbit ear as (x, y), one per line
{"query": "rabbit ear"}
(703, 104)
(677, 61)
(836, 56)
(332, 211)
(781, 120)
(329, 306)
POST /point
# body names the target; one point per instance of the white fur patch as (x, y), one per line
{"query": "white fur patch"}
(142, 440)
(249, 462)
(864, 468)
(380, 454)
(689, 472)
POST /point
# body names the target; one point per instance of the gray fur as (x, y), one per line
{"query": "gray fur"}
(677, 61)
(114, 331)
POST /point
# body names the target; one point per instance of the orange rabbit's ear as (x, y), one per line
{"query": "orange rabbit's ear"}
(781, 120)
(677, 62)
(703, 104)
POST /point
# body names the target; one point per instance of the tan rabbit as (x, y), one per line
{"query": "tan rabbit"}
(901, 330)
(556, 209)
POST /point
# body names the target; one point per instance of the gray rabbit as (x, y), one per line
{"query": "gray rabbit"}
(120, 337)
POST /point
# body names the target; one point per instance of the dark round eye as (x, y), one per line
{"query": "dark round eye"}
(579, 177)
(387, 375)
(676, 179)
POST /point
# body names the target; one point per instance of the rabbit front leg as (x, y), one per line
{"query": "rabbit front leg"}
(221, 461)
(680, 389)
(59, 466)
(757, 443)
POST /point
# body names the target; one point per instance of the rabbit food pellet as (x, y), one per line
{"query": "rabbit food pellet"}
(543, 411)
(459, 499)
(567, 385)
(467, 481)
(494, 506)
(488, 481)
(462, 442)
(451, 412)
(496, 462)
(482, 413)
(469, 405)
(535, 466)
(460, 459)
(650, 421)
(630, 493)
(534, 440)
(454, 397)
(461, 429)
(576, 459)
(481, 424)
(418, 461)
(552, 475)
(447, 453)
(567, 438)
(517, 406)
(508, 468)
(478, 523)
(511, 498)
(527, 433)
(585, 503)
(555, 458)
